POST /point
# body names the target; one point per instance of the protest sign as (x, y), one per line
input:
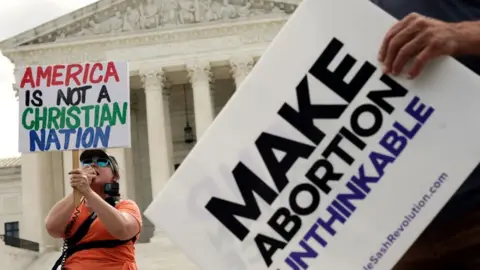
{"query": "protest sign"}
(74, 106)
(320, 161)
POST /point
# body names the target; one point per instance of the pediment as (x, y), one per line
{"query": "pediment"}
(117, 17)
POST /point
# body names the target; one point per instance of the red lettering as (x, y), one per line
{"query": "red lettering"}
(44, 73)
(57, 75)
(85, 73)
(111, 72)
(27, 78)
(68, 75)
(73, 71)
(92, 73)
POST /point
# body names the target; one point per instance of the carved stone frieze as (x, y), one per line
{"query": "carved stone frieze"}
(143, 15)
(162, 44)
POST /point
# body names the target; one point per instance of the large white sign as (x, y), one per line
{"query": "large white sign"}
(74, 106)
(320, 161)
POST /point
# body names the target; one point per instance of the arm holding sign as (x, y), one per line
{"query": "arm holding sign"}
(58, 217)
(422, 38)
(120, 224)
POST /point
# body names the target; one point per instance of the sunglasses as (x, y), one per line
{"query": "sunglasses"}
(101, 162)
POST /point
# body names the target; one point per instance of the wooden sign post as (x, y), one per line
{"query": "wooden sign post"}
(75, 165)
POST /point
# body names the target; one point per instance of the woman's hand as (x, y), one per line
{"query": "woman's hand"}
(81, 179)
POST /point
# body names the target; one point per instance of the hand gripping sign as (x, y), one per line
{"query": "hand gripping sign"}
(320, 161)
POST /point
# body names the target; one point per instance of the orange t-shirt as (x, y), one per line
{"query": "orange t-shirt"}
(117, 258)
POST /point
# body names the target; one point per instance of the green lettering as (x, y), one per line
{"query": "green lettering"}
(87, 110)
(25, 114)
(97, 115)
(40, 118)
(106, 115)
(73, 114)
(120, 115)
(63, 116)
(54, 114)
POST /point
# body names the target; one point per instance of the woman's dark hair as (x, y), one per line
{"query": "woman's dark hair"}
(114, 165)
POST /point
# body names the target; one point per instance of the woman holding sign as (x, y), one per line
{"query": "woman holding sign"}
(427, 30)
(101, 232)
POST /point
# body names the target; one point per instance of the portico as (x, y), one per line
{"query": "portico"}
(184, 64)
(162, 102)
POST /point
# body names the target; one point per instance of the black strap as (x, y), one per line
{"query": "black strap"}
(89, 245)
(97, 244)
(82, 230)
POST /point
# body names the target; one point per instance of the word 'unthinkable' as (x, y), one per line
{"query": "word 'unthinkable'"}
(72, 122)
(317, 218)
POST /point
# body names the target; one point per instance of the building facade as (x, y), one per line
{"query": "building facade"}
(10, 197)
(186, 58)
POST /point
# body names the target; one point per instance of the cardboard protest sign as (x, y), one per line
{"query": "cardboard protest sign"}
(320, 161)
(74, 106)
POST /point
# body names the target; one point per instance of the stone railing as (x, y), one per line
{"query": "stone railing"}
(14, 258)
(19, 243)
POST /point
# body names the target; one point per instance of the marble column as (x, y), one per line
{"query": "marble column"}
(200, 77)
(124, 157)
(240, 68)
(168, 125)
(160, 146)
(38, 189)
(126, 189)
(67, 167)
(58, 189)
(129, 152)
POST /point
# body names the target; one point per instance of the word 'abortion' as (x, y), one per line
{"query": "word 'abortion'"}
(286, 221)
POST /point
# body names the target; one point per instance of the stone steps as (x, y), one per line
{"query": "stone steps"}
(159, 255)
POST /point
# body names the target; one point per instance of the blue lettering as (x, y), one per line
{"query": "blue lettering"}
(103, 136)
(79, 137)
(346, 198)
(327, 225)
(292, 264)
(66, 134)
(409, 133)
(393, 142)
(362, 180)
(52, 139)
(312, 233)
(87, 138)
(36, 140)
(380, 162)
(308, 252)
(341, 208)
(418, 113)
(46, 140)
